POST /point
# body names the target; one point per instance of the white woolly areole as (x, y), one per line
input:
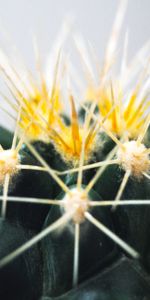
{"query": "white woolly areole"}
(8, 163)
(79, 201)
(134, 157)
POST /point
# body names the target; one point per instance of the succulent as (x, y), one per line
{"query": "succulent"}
(74, 188)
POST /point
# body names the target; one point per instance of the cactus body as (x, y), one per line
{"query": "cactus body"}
(75, 188)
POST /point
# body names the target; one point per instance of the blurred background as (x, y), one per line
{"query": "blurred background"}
(93, 18)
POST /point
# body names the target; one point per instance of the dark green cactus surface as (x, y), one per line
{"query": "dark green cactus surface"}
(44, 272)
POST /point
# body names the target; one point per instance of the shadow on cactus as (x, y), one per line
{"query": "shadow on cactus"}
(75, 188)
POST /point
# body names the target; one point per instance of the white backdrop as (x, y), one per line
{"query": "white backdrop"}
(93, 18)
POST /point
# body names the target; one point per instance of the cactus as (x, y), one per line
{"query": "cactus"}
(75, 189)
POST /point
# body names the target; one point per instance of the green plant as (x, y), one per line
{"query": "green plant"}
(75, 190)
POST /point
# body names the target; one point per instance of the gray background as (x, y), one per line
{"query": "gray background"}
(94, 18)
